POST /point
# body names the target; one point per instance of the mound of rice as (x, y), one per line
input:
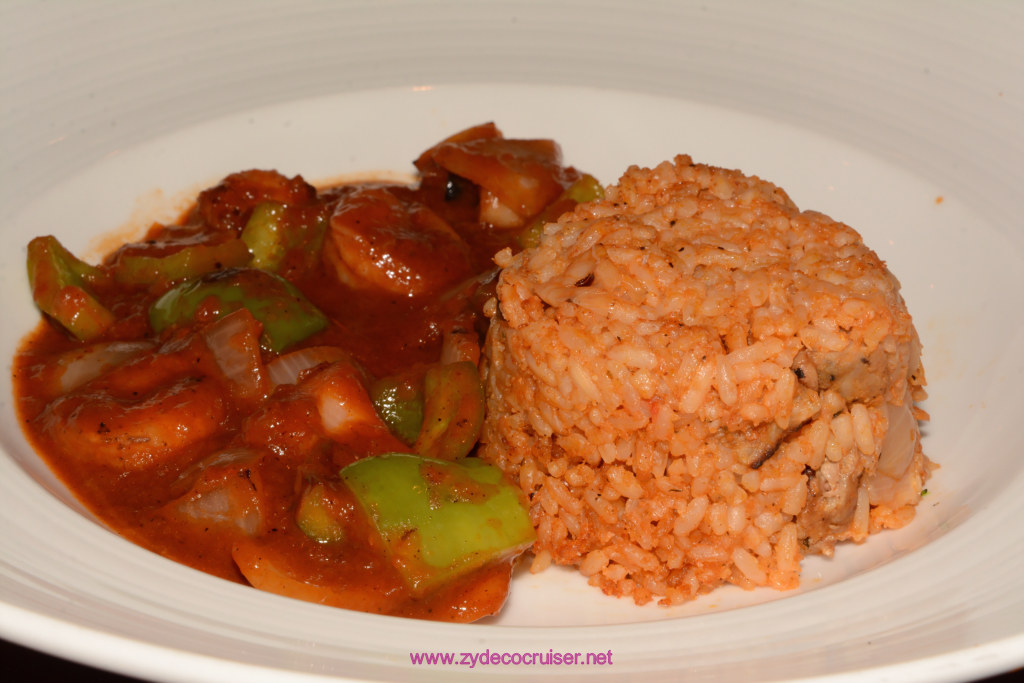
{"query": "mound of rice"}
(697, 383)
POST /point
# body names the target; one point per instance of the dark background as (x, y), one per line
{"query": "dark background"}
(19, 664)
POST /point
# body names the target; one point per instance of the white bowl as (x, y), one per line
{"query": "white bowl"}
(112, 113)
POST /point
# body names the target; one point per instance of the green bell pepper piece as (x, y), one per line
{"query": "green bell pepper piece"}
(287, 316)
(262, 234)
(61, 288)
(314, 516)
(399, 402)
(274, 229)
(187, 262)
(453, 413)
(440, 519)
(586, 189)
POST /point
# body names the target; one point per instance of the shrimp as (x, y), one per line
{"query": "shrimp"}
(347, 414)
(376, 589)
(380, 241)
(329, 404)
(227, 491)
(71, 369)
(228, 205)
(460, 342)
(143, 412)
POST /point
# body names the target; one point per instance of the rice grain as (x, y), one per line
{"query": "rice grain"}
(692, 381)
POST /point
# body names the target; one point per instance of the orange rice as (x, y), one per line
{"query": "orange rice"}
(696, 383)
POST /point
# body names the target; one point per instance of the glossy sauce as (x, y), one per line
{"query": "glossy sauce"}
(217, 484)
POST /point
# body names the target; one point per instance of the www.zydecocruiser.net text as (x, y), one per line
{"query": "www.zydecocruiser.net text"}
(489, 658)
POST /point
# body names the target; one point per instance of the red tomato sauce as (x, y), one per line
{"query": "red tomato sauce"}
(177, 447)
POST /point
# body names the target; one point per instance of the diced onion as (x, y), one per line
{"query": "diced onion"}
(218, 495)
(225, 457)
(343, 401)
(77, 367)
(893, 482)
(288, 369)
(460, 345)
(234, 341)
(493, 212)
(900, 440)
(218, 507)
